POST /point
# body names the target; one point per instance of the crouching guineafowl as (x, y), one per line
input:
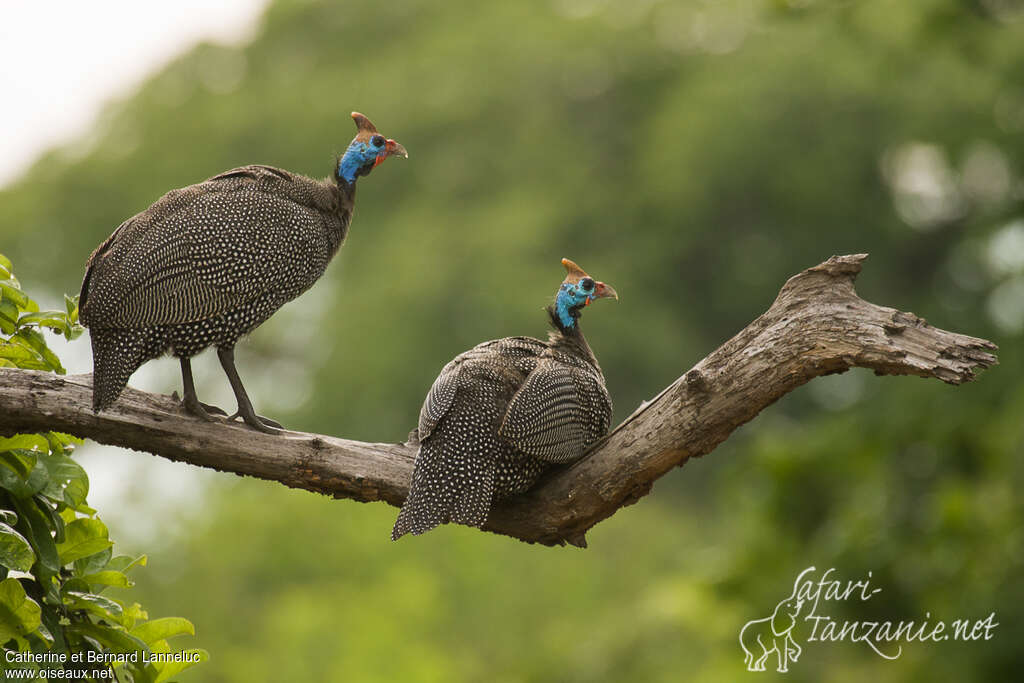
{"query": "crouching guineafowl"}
(503, 412)
(209, 263)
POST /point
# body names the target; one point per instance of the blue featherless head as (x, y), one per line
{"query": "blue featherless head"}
(366, 151)
(576, 291)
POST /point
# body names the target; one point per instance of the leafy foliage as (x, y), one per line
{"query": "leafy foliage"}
(56, 559)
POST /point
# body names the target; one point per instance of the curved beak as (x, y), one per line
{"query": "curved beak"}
(603, 291)
(393, 149)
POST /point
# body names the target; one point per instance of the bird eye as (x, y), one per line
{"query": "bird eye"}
(378, 140)
(587, 284)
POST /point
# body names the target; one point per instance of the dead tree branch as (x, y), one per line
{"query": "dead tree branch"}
(817, 326)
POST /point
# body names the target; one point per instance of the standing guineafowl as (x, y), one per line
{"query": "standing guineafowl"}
(505, 411)
(209, 263)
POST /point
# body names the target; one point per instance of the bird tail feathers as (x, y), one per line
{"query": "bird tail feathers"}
(116, 354)
(446, 487)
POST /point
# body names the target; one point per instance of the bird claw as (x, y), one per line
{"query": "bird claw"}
(203, 411)
(214, 410)
(263, 424)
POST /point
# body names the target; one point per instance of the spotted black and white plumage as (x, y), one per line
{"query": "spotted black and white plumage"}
(207, 264)
(502, 413)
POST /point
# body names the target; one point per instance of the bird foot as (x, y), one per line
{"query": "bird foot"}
(204, 411)
(263, 424)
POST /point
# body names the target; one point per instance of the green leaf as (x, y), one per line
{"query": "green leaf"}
(29, 442)
(39, 536)
(35, 341)
(123, 563)
(55, 320)
(15, 550)
(170, 669)
(84, 537)
(8, 316)
(53, 627)
(76, 491)
(22, 487)
(68, 481)
(111, 637)
(5, 267)
(94, 563)
(77, 584)
(12, 292)
(109, 578)
(43, 633)
(162, 629)
(71, 304)
(97, 604)
(9, 517)
(56, 521)
(19, 461)
(19, 614)
(134, 612)
(61, 442)
(21, 357)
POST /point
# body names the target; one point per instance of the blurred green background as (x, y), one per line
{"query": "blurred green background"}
(694, 155)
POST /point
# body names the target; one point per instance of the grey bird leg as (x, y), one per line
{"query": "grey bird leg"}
(245, 411)
(190, 401)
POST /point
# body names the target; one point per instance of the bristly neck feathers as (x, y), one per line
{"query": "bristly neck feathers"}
(348, 171)
(567, 333)
(355, 162)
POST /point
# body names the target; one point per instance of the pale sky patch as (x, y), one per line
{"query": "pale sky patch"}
(63, 60)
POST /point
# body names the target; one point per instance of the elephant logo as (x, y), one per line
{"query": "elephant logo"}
(761, 637)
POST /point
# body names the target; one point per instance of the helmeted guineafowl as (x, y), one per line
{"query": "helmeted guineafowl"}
(503, 412)
(209, 263)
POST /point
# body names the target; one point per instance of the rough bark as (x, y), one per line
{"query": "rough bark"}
(816, 326)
